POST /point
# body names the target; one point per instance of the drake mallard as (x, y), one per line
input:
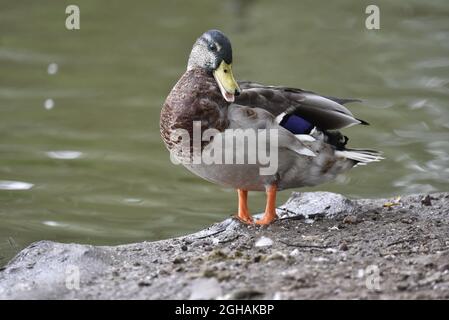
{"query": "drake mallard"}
(207, 99)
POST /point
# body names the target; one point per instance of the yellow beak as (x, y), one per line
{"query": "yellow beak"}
(225, 79)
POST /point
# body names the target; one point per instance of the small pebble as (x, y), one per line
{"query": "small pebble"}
(178, 260)
(179, 269)
(427, 201)
(144, 284)
(294, 253)
(402, 287)
(264, 242)
(205, 289)
(277, 256)
(351, 219)
(406, 221)
(277, 296)
(241, 294)
(444, 267)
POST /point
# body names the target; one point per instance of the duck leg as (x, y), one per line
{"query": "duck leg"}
(270, 210)
(243, 214)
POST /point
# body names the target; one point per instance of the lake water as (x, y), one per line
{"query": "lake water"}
(81, 159)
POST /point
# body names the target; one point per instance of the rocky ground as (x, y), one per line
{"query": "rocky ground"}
(324, 246)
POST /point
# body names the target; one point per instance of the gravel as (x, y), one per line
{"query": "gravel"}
(324, 246)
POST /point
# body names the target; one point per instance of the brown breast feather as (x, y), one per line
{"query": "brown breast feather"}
(196, 97)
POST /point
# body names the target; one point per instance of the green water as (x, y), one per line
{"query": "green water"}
(114, 73)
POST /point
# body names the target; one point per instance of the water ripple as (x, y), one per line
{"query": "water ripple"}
(64, 154)
(15, 185)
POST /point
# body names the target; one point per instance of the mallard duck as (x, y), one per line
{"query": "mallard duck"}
(308, 149)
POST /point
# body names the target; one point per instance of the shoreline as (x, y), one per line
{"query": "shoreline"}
(324, 246)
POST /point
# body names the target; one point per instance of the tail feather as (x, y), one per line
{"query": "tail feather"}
(361, 156)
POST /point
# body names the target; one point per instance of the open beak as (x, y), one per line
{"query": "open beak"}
(228, 86)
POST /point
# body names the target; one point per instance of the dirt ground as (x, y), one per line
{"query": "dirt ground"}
(341, 249)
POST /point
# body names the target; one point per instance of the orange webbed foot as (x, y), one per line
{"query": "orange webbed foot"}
(245, 219)
(270, 210)
(243, 215)
(266, 220)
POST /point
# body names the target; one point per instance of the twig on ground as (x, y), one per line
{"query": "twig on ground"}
(211, 234)
(412, 252)
(400, 241)
(305, 246)
(230, 239)
(298, 216)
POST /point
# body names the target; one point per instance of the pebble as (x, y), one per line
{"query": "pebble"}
(406, 221)
(217, 254)
(277, 296)
(390, 257)
(290, 274)
(205, 289)
(242, 294)
(427, 201)
(294, 253)
(351, 219)
(277, 256)
(219, 275)
(444, 267)
(144, 284)
(178, 260)
(264, 242)
(320, 259)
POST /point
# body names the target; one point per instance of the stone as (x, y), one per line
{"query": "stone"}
(313, 255)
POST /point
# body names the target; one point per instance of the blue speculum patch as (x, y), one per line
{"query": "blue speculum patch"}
(296, 125)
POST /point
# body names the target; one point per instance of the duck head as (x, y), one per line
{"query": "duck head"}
(213, 52)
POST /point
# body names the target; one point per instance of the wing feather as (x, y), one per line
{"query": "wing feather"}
(327, 113)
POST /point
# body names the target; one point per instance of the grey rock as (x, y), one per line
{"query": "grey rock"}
(319, 267)
(310, 204)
